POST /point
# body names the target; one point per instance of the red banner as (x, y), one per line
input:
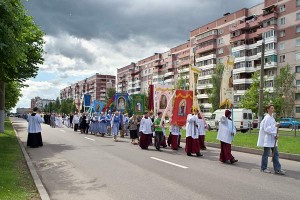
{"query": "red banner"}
(182, 106)
(151, 98)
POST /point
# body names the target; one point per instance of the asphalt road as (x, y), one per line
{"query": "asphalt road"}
(78, 166)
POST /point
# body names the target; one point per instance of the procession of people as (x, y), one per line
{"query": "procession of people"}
(142, 130)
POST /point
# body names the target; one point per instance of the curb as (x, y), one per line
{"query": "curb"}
(287, 156)
(37, 181)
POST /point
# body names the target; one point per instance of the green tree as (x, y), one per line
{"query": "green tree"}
(12, 95)
(180, 83)
(284, 92)
(251, 96)
(214, 93)
(21, 48)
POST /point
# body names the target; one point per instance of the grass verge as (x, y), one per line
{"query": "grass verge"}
(15, 179)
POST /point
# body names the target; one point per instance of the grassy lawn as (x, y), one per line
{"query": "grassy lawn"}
(15, 179)
(287, 142)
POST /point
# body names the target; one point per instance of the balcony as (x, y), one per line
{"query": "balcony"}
(240, 48)
(239, 92)
(244, 70)
(208, 57)
(168, 74)
(206, 48)
(267, 16)
(210, 66)
(183, 70)
(184, 62)
(270, 65)
(211, 37)
(242, 25)
(204, 86)
(205, 77)
(242, 81)
(240, 37)
(202, 96)
(157, 63)
(169, 81)
(206, 105)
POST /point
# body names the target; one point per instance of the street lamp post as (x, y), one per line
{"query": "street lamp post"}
(261, 86)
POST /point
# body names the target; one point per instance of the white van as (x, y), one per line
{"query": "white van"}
(242, 118)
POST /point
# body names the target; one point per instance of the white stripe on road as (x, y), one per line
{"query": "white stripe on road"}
(89, 138)
(181, 166)
(62, 130)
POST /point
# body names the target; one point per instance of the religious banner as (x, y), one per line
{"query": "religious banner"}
(226, 90)
(121, 100)
(138, 103)
(98, 106)
(194, 75)
(151, 98)
(162, 95)
(182, 105)
(87, 100)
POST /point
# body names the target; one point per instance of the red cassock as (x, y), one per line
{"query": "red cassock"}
(192, 145)
(201, 142)
(145, 140)
(225, 153)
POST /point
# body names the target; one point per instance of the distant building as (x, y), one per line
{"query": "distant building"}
(22, 111)
(95, 85)
(40, 103)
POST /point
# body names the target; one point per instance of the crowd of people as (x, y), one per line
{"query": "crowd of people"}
(142, 130)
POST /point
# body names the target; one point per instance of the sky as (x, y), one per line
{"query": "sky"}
(84, 37)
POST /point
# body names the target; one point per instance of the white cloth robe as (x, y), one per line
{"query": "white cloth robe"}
(225, 130)
(34, 123)
(267, 132)
(145, 126)
(191, 126)
(201, 126)
(75, 119)
(175, 130)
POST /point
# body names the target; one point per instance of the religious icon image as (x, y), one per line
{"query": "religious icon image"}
(121, 103)
(98, 108)
(163, 102)
(182, 108)
(138, 107)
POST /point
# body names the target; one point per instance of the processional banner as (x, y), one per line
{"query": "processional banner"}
(162, 96)
(226, 91)
(98, 106)
(121, 100)
(182, 105)
(138, 103)
(194, 74)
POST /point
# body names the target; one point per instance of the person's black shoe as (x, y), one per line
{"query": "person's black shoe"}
(189, 154)
(233, 161)
(199, 154)
(179, 146)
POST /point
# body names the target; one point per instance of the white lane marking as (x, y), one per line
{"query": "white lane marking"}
(62, 130)
(177, 165)
(89, 138)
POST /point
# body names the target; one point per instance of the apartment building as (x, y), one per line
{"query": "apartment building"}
(273, 23)
(95, 85)
(40, 103)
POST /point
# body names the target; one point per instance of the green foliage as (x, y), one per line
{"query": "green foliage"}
(180, 83)
(110, 92)
(21, 43)
(284, 92)
(67, 106)
(214, 93)
(12, 94)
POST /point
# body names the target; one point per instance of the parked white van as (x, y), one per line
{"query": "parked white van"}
(242, 118)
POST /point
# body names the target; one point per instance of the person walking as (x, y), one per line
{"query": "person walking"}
(192, 136)
(225, 136)
(145, 131)
(115, 124)
(158, 125)
(34, 138)
(133, 129)
(267, 139)
(75, 122)
(201, 131)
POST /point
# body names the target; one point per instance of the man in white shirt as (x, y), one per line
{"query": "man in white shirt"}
(145, 131)
(267, 139)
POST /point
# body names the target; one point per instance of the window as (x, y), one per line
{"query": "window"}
(281, 46)
(297, 96)
(282, 8)
(298, 56)
(220, 60)
(221, 31)
(298, 42)
(220, 51)
(297, 109)
(297, 82)
(220, 41)
(298, 29)
(282, 58)
(282, 33)
(282, 21)
(297, 69)
(297, 2)
(298, 16)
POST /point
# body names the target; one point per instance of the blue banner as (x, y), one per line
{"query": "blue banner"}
(98, 106)
(87, 100)
(121, 100)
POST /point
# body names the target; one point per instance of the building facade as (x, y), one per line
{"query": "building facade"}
(95, 85)
(40, 103)
(273, 23)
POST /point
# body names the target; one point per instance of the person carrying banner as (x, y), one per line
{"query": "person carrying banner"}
(225, 136)
(145, 131)
(267, 139)
(192, 136)
(158, 131)
(201, 131)
(115, 124)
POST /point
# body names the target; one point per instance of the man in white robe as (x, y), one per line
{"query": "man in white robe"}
(146, 131)
(192, 137)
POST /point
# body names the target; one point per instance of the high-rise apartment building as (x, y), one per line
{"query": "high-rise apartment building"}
(274, 23)
(95, 85)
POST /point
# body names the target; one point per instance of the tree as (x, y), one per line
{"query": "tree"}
(214, 93)
(180, 83)
(21, 48)
(12, 95)
(284, 92)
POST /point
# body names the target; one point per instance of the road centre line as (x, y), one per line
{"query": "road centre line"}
(89, 138)
(177, 165)
(62, 130)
